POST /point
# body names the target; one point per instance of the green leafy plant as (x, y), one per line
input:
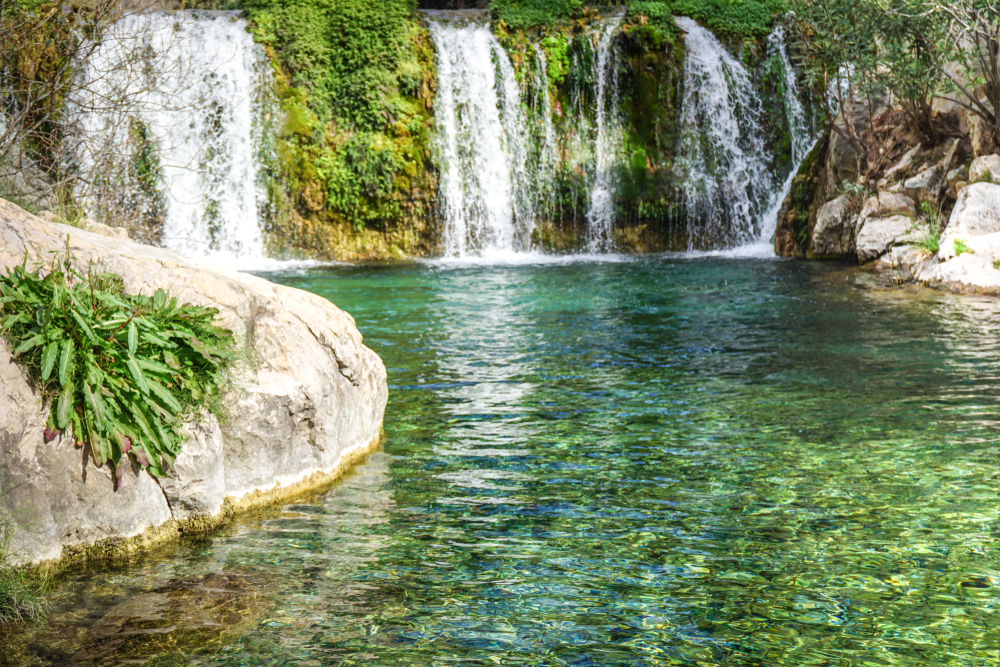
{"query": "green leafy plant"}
(121, 372)
(929, 242)
(961, 248)
(996, 264)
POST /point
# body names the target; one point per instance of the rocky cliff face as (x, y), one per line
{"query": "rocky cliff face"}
(312, 403)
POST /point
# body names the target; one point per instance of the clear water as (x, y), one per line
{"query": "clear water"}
(651, 462)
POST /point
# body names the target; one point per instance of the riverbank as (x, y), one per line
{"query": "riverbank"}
(306, 407)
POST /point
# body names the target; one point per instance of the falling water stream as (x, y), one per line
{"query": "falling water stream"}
(198, 84)
(602, 209)
(481, 145)
(727, 181)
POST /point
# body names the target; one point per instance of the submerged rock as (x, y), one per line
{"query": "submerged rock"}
(312, 404)
(186, 612)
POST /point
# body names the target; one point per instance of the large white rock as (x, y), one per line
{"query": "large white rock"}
(964, 273)
(877, 235)
(833, 233)
(985, 168)
(976, 214)
(315, 401)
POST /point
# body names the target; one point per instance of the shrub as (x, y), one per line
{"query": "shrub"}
(735, 18)
(521, 14)
(122, 372)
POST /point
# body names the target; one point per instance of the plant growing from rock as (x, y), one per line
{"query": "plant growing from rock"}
(961, 248)
(121, 372)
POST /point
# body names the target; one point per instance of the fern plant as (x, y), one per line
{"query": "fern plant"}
(121, 372)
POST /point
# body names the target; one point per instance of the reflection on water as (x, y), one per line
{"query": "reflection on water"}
(655, 462)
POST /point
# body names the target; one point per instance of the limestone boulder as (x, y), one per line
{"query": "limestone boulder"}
(888, 204)
(964, 273)
(877, 235)
(974, 221)
(313, 402)
(985, 168)
(833, 234)
(925, 187)
(901, 168)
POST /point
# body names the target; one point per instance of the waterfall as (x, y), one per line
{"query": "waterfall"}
(485, 187)
(802, 138)
(195, 85)
(722, 158)
(602, 205)
(798, 124)
(548, 158)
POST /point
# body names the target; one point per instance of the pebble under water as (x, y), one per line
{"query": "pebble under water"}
(657, 461)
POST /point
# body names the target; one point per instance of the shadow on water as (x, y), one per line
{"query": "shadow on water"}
(663, 461)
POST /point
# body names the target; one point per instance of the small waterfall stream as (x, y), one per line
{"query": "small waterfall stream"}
(727, 181)
(198, 87)
(602, 206)
(794, 111)
(484, 186)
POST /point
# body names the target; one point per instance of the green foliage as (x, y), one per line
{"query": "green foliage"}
(359, 173)
(557, 52)
(345, 53)
(961, 248)
(929, 243)
(524, 14)
(733, 18)
(122, 372)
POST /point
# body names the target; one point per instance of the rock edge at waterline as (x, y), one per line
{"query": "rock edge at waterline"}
(312, 405)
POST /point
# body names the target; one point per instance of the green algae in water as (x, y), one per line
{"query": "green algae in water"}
(648, 462)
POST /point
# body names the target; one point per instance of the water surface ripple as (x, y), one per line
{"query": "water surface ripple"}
(651, 462)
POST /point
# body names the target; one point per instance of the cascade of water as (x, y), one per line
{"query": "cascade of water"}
(602, 192)
(197, 84)
(802, 138)
(548, 160)
(722, 157)
(798, 124)
(485, 186)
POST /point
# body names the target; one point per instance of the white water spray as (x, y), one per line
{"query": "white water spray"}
(482, 149)
(602, 205)
(722, 157)
(198, 84)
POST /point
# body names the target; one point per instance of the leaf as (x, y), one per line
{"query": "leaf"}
(82, 323)
(32, 342)
(91, 399)
(137, 375)
(171, 360)
(65, 407)
(66, 362)
(49, 357)
(165, 397)
(133, 337)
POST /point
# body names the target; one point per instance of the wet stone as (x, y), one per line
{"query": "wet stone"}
(188, 610)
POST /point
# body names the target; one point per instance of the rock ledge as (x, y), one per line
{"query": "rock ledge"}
(313, 406)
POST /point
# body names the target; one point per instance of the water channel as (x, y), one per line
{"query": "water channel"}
(645, 461)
